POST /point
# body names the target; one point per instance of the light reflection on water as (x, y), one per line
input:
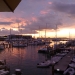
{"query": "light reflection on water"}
(26, 59)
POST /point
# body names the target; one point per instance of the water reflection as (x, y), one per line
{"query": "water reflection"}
(25, 58)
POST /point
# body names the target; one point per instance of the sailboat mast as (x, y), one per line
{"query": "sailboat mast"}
(69, 35)
(18, 26)
(45, 32)
(39, 31)
(10, 31)
(56, 34)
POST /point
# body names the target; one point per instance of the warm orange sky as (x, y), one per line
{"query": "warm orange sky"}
(40, 15)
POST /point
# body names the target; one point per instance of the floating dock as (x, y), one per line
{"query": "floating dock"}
(63, 63)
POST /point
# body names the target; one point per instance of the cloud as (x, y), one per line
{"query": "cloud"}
(44, 12)
(27, 31)
(4, 31)
(6, 23)
(48, 21)
(40, 15)
(49, 2)
(67, 8)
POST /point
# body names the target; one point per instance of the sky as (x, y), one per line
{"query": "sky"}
(40, 18)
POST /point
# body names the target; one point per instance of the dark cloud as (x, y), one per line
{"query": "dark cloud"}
(4, 31)
(6, 23)
(27, 31)
(48, 21)
(3, 28)
(68, 8)
(18, 20)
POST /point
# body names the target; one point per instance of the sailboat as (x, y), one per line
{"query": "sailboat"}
(55, 44)
(46, 48)
(20, 41)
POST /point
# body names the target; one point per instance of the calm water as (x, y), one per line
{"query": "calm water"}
(26, 59)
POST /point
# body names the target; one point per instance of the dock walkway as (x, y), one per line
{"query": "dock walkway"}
(63, 63)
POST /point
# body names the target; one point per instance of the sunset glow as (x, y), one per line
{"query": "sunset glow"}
(32, 17)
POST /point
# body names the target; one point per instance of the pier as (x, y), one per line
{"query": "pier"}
(63, 63)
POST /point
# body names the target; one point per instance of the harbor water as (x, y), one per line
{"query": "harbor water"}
(26, 59)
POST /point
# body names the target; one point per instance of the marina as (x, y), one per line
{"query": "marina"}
(37, 37)
(26, 59)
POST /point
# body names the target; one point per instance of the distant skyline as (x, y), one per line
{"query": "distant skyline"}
(36, 16)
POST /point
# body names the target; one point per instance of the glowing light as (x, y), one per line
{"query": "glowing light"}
(15, 29)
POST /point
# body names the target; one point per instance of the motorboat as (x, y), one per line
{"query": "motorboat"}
(17, 44)
(61, 54)
(2, 62)
(44, 64)
(72, 65)
(55, 59)
(65, 51)
(2, 47)
(3, 72)
(73, 60)
(47, 63)
(44, 49)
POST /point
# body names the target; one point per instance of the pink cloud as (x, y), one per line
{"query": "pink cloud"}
(44, 12)
(49, 2)
(34, 19)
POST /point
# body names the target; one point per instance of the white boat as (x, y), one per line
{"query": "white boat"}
(72, 65)
(3, 72)
(47, 63)
(44, 64)
(66, 51)
(73, 60)
(19, 44)
(2, 47)
(55, 59)
(44, 49)
(61, 54)
(69, 71)
(36, 42)
(2, 62)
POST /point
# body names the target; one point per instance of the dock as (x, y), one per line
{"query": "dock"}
(63, 63)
